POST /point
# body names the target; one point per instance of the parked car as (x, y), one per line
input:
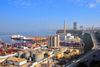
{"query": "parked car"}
(94, 55)
(86, 60)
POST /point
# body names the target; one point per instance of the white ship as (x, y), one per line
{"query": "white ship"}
(17, 37)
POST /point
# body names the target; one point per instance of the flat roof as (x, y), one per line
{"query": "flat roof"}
(14, 59)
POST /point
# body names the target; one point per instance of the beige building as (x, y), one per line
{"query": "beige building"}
(53, 41)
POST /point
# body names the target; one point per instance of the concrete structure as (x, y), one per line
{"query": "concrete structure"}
(21, 54)
(64, 27)
(38, 56)
(26, 54)
(62, 36)
(75, 25)
(53, 41)
(32, 52)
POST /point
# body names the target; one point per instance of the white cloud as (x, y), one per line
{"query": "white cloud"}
(98, 1)
(91, 5)
(33, 24)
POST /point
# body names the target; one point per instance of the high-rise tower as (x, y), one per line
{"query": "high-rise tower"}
(64, 27)
(75, 25)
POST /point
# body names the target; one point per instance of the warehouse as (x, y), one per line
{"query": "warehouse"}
(16, 61)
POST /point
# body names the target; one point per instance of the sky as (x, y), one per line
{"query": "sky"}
(43, 15)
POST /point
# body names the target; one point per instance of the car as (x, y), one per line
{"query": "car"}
(97, 44)
(74, 66)
(86, 60)
(98, 49)
(94, 55)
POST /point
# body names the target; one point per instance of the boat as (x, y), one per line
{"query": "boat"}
(17, 37)
(27, 39)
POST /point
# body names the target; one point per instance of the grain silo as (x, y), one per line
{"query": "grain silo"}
(21, 54)
(26, 54)
(38, 56)
(44, 51)
(32, 52)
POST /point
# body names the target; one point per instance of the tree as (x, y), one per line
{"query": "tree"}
(81, 64)
(93, 63)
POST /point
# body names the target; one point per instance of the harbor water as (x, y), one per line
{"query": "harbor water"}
(7, 39)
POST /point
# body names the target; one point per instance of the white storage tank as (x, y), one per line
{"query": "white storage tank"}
(38, 56)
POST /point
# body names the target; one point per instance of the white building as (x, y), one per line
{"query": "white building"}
(64, 36)
(16, 61)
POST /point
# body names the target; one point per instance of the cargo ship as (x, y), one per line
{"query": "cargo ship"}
(17, 37)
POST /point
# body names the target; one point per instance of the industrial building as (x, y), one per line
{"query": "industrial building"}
(16, 61)
(53, 41)
(31, 55)
(64, 36)
(72, 42)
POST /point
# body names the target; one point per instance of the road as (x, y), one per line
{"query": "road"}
(89, 54)
(97, 57)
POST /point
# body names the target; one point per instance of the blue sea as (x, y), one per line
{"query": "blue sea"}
(7, 39)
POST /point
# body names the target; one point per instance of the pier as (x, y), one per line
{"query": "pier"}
(5, 35)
